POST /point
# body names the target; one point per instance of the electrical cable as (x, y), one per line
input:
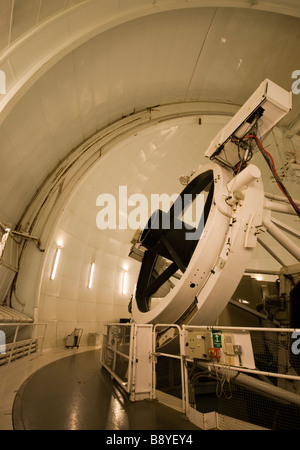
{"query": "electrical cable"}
(268, 158)
(221, 380)
(252, 134)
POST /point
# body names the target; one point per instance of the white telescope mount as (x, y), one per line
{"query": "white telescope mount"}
(188, 275)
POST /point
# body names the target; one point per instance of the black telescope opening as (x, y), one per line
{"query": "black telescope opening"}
(170, 241)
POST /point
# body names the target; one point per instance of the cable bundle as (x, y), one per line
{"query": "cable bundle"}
(268, 158)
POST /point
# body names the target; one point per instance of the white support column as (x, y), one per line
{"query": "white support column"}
(279, 207)
(280, 236)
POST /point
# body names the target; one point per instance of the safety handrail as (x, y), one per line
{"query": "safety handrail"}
(9, 351)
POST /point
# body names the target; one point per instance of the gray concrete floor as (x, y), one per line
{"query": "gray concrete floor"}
(76, 393)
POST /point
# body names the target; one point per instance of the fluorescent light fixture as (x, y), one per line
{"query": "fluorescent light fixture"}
(124, 285)
(55, 263)
(91, 275)
(134, 291)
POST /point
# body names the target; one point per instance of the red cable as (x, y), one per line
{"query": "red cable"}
(253, 136)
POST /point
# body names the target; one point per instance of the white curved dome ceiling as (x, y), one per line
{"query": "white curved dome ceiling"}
(204, 54)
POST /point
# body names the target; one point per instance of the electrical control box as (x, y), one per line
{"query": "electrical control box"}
(220, 346)
(198, 344)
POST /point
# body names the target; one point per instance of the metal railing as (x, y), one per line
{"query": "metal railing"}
(127, 355)
(262, 395)
(255, 384)
(117, 350)
(264, 371)
(181, 403)
(278, 341)
(19, 340)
